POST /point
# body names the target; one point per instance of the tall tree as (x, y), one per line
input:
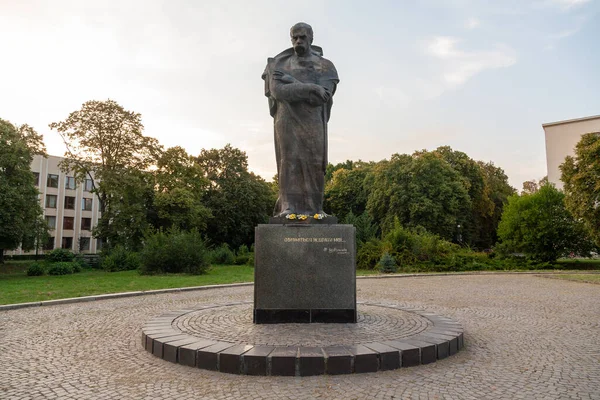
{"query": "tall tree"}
(348, 190)
(499, 191)
(20, 210)
(482, 207)
(420, 190)
(238, 199)
(581, 177)
(104, 143)
(180, 187)
(540, 226)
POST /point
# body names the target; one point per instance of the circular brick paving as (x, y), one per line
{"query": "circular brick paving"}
(526, 337)
(234, 324)
(223, 337)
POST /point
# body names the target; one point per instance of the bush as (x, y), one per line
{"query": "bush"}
(222, 255)
(387, 264)
(369, 254)
(36, 269)
(59, 255)
(175, 252)
(61, 268)
(120, 259)
(250, 261)
(242, 255)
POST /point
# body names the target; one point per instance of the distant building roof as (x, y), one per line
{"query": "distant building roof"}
(568, 121)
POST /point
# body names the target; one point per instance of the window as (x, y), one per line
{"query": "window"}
(84, 243)
(98, 244)
(86, 224)
(70, 183)
(67, 243)
(51, 221)
(50, 201)
(52, 181)
(86, 204)
(36, 178)
(88, 185)
(69, 203)
(49, 245)
(68, 223)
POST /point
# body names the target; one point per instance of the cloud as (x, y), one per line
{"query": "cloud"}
(472, 23)
(568, 4)
(458, 66)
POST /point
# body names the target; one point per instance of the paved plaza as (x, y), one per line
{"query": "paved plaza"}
(526, 337)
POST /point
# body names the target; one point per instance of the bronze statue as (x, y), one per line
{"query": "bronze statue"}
(300, 84)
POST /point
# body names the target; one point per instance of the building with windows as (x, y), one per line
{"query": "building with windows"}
(561, 138)
(70, 209)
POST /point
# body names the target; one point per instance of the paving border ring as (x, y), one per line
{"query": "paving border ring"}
(444, 338)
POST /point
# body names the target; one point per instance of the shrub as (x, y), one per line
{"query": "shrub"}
(242, 255)
(387, 264)
(60, 268)
(36, 269)
(59, 255)
(250, 261)
(369, 254)
(120, 259)
(222, 255)
(366, 228)
(174, 252)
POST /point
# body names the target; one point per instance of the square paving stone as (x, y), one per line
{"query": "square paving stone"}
(410, 355)
(159, 344)
(150, 336)
(208, 357)
(452, 340)
(389, 357)
(230, 360)
(187, 355)
(283, 361)
(312, 361)
(171, 349)
(339, 360)
(442, 345)
(428, 350)
(255, 360)
(365, 359)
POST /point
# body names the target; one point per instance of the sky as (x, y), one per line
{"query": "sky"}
(480, 76)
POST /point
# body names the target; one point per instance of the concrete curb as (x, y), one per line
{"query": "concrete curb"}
(109, 296)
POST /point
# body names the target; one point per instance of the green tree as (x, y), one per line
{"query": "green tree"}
(238, 199)
(105, 143)
(581, 177)
(20, 210)
(499, 191)
(348, 190)
(482, 206)
(420, 190)
(180, 187)
(540, 226)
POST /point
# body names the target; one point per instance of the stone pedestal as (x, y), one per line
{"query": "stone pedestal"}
(304, 273)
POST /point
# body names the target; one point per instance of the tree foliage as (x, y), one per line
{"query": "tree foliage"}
(105, 143)
(20, 210)
(237, 198)
(581, 177)
(348, 190)
(419, 190)
(540, 226)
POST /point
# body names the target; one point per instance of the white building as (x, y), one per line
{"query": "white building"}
(561, 138)
(70, 209)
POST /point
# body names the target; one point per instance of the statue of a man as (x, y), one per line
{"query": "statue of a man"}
(300, 84)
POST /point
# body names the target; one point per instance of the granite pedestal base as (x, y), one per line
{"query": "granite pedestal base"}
(304, 273)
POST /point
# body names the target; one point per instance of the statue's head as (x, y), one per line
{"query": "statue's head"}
(302, 37)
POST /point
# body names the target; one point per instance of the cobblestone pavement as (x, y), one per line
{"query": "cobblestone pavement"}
(525, 338)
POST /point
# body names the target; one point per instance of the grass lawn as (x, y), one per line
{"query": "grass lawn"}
(589, 278)
(17, 287)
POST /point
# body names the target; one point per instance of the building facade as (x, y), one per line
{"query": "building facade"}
(70, 209)
(561, 138)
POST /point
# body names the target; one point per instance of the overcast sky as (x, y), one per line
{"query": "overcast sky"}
(479, 76)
